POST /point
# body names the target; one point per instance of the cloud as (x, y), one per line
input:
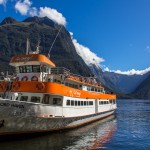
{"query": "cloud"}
(129, 72)
(3, 2)
(23, 6)
(53, 14)
(86, 54)
(147, 48)
(33, 11)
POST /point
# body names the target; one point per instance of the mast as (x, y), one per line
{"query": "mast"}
(27, 47)
(54, 41)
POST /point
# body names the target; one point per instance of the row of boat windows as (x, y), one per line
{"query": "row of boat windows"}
(31, 68)
(58, 101)
(78, 103)
(92, 89)
(35, 99)
(87, 103)
(107, 102)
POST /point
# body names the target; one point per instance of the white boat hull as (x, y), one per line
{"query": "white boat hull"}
(16, 118)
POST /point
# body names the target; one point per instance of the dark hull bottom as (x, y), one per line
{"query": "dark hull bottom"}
(23, 125)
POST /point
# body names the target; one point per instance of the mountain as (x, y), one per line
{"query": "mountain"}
(143, 90)
(126, 83)
(13, 36)
(108, 82)
(8, 20)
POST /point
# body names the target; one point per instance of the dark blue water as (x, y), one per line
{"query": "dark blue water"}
(129, 129)
(133, 126)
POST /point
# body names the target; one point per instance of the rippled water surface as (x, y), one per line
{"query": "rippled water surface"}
(129, 129)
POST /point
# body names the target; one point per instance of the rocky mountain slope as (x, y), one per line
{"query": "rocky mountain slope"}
(13, 35)
(143, 90)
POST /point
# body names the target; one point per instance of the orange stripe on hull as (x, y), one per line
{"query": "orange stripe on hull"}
(58, 89)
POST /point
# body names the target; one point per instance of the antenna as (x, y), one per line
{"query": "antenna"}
(37, 48)
(54, 41)
(27, 47)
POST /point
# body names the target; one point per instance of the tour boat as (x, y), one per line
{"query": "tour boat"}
(43, 97)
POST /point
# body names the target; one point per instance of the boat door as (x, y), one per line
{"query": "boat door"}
(96, 106)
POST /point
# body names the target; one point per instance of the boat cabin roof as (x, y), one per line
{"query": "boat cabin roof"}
(29, 59)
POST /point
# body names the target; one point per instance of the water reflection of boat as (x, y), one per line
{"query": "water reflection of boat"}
(89, 137)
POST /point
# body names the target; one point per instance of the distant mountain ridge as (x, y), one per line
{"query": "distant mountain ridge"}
(126, 83)
(8, 20)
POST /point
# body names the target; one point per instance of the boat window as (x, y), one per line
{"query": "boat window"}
(72, 102)
(76, 103)
(66, 83)
(57, 101)
(36, 68)
(105, 102)
(24, 98)
(46, 99)
(35, 99)
(84, 103)
(68, 102)
(92, 88)
(90, 102)
(114, 101)
(44, 68)
(110, 101)
(22, 69)
(28, 69)
(81, 103)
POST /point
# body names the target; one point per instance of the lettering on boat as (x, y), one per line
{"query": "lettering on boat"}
(75, 93)
(12, 105)
(24, 58)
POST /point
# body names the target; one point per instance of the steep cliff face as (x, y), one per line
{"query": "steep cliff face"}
(13, 35)
(143, 90)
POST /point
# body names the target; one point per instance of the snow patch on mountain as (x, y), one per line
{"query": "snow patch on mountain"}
(129, 72)
(86, 54)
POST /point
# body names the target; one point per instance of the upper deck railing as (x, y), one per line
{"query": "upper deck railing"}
(60, 71)
(75, 77)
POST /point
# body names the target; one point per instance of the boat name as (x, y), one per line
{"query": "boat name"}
(75, 93)
(23, 58)
(12, 105)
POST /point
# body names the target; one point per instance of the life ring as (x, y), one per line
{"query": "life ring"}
(40, 86)
(16, 86)
(34, 78)
(17, 79)
(25, 78)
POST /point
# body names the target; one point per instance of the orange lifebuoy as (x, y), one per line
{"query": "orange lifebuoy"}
(16, 85)
(25, 78)
(34, 78)
(40, 86)
(17, 79)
